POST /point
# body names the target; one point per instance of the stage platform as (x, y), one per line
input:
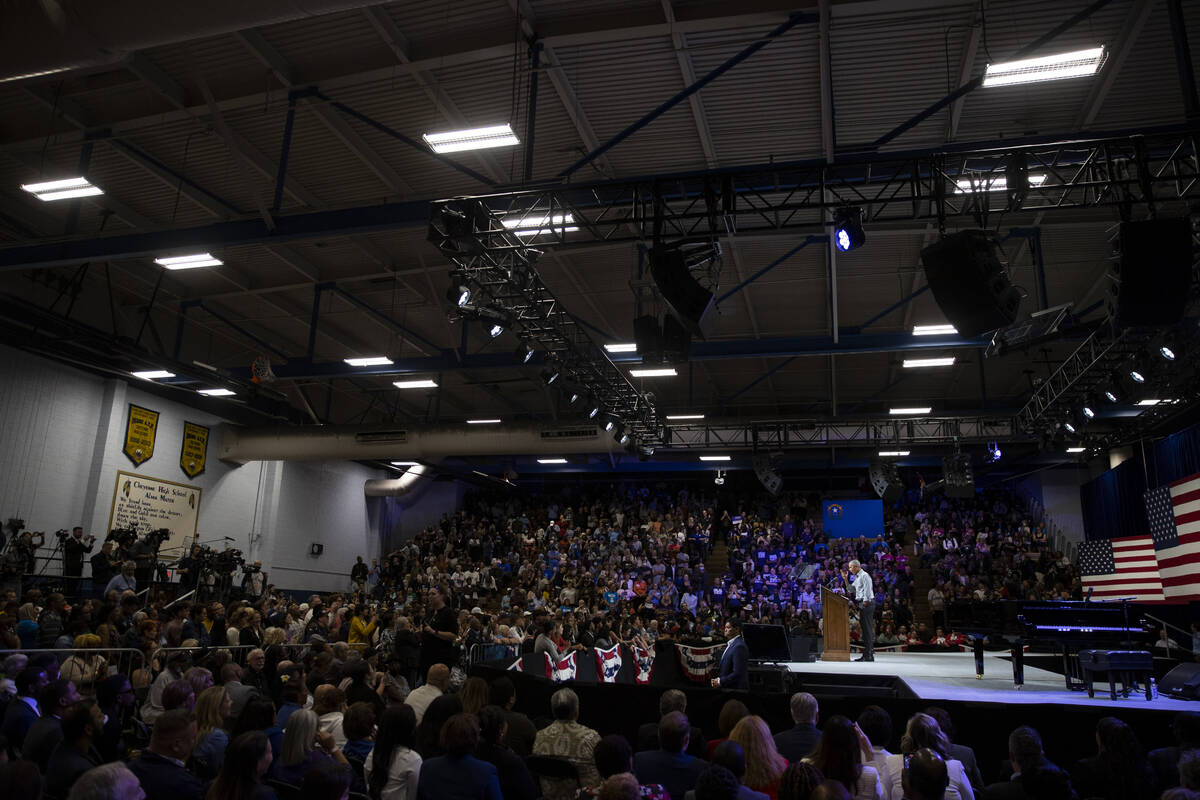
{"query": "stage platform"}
(951, 676)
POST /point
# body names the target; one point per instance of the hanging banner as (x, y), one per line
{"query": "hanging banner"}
(140, 430)
(608, 663)
(698, 663)
(146, 504)
(563, 670)
(644, 658)
(195, 449)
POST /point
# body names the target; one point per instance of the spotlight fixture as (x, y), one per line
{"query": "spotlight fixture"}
(594, 411)
(847, 229)
(662, 372)
(1136, 376)
(550, 375)
(1069, 427)
(609, 424)
(719, 480)
(533, 225)
(494, 329)
(716, 458)
(492, 421)
(915, 411)
(1088, 408)
(525, 352)
(572, 398)
(64, 189)
(1166, 352)
(458, 292)
(624, 440)
(994, 452)
(680, 417)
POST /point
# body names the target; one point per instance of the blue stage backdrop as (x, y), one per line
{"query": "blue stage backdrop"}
(845, 518)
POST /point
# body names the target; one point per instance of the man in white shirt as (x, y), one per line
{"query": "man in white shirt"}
(436, 683)
(864, 595)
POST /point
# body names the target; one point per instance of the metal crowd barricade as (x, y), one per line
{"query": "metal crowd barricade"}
(118, 661)
(480, 653)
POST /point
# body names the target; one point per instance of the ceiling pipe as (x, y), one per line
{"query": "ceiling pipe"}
(394, 487)
(339, 443)
(50, 36)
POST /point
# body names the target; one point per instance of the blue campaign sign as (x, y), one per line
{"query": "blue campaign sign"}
(845, 518)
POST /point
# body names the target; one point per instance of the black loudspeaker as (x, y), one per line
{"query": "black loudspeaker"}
(1153, 271)
(771, 680)
(1183, 682)
(959, 476)
(767, 476)
(969, 283)
(885, 479)
(648, 336)
(687, 300)
(677, 342)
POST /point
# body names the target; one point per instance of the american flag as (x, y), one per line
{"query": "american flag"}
(1120, 568)
(1174, 515)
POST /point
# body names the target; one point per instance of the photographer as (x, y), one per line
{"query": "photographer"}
(189, 569)
(75, 546)
(104, 565)
(20, 558)
(254, 582)
(145, 553)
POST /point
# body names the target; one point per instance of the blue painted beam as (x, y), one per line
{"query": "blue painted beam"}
(807, 241)
(898, 304)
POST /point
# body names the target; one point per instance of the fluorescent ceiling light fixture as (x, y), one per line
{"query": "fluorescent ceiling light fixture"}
(716, 458)
(933, 330)
(536, 226)
(424, 383)
(552, 461)
(217, 392)
(1151, 402)
(483, 474)
(909, 363)
(153, 374)
(483, 422)
(892, 453)
(64, 189)
(406, 463)
(1075, 449)
(472, 139)
(684, 416)
(190, 261)
(621, 347)
(1076, 64)
(991, 182)
(369, 361)
(908, 412)
(664, 372)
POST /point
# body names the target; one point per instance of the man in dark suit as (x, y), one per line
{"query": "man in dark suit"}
(23, 710)
(46, 733)
(671, 700)
(733, 674)
(961, 752)
(159, 768)
(1165, 760)
(670, 765)
(82, 724)
(801, 739)
(1033, 775)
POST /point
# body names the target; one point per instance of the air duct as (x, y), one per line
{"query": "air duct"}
(394, 487)
(343, 443)
(43, 38)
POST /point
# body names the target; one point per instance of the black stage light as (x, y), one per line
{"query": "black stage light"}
(848, 231)
(550, 375)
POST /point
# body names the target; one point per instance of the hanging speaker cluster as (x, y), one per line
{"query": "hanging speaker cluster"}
(771, 480)
(668, 343)
(959, 476)
(1151, 272)
(969, 283)
(885, 480)
(689, 303)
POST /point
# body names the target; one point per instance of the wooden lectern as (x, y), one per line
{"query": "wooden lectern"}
(836, 626)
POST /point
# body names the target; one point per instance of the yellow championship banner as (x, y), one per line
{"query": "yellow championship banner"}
(140, 431)
(195, 449)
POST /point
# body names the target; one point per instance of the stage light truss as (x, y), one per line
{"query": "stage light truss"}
(500, 269)
(880, 433)
(1137, 171)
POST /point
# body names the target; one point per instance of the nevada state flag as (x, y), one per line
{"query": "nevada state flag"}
(698, 662)
(608, 663)
(644, 659)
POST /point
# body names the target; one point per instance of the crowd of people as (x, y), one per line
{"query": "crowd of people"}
(363, 691)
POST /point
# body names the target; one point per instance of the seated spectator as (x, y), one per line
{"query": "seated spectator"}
(515, 781)
(200, 678)
(730, 756)
(326, 782)
(400, 766)
(716, 783)
(876, 725)
(614, 756)
(177, 663)
(259, 715)
(458, 775)
(622, 786)
(1033, 776)
(117, 700)
(764, 764)
(670, 765)
(800, 780)
(521, 731)
(179, 694)
(107, 782)
(671, 700)
(45, 734)
(429, 739)
(246, 763)
(304, 746)
(1119, 769)
(731, 714)
(212, 718)
(329, 704)
(358, 724)
(566, 738)
(1189, 770)
(925, 776)
(1165, 760)
(801, 739)
(960, 752)
(86, 666)
(82, 725)
(20, 779)
(923, 731)
(474, 695)
(239, 693)
(839, 757)
(293, 693)
(159, 768)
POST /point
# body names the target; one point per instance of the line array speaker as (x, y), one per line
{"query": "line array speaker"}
(969, 282)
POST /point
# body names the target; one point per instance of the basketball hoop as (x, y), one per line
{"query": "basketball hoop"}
(260, 369)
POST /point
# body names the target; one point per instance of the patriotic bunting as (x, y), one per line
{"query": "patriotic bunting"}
(608, 663)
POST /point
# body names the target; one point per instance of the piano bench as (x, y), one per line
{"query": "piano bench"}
(1130, 667)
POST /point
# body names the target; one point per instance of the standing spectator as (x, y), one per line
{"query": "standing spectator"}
(23, 710)
(177, 663)
(801, 739)
(399, 765)
(566, 738)
(160, 768)
(45, 734)
(82, 726)
(51, 620)
(358, 576)
(1119, 770)
(670, 765)
(458, 775)
(87, 666)
(329, 704)
(515, 781)
(839, 757)
(764, 764)
(241, 775)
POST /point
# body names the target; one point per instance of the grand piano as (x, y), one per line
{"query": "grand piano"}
(1071, 626)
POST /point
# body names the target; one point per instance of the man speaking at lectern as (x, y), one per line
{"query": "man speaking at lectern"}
(864, 595)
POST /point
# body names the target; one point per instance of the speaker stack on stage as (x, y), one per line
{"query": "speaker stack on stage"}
(885, 480)
(969, 283)
(1183, 682)
(1151, 272)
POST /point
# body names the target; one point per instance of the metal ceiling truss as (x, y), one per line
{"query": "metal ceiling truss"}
(506, 289)
(790, 434)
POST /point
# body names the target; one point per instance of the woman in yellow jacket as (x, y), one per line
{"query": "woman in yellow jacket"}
(362, 625)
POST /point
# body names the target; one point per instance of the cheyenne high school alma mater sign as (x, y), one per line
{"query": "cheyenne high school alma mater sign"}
(146, 504)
